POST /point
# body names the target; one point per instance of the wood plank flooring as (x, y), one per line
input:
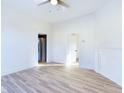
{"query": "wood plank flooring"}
(57, 79)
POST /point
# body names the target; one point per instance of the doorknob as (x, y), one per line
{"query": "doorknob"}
(76, 50)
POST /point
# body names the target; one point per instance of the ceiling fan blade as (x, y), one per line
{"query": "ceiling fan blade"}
(44, 2)
(63, 3)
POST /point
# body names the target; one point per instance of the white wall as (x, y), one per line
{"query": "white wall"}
(108, 41)
(102, 34)
(20, 39)
(85, 27)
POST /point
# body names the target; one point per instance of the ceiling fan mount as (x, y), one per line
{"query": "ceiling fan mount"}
(54, 3)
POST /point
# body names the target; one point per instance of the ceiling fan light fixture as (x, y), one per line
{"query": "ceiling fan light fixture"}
(54, 2)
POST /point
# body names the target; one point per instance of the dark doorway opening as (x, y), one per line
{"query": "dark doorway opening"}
(42, 48)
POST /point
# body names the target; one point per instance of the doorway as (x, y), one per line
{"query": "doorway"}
(73, 49)
(42, 48)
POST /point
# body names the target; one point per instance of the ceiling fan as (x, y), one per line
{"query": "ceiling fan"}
(54, 3)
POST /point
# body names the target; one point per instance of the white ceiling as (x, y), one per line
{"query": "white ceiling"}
(51, 13)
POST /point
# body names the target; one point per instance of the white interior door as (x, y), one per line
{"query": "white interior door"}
(72, 57)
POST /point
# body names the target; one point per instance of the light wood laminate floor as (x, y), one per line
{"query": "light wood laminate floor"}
(57, 79)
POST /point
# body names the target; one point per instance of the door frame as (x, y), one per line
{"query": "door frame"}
(67, 47)
(43, 36)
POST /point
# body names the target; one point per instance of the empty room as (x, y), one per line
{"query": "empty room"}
(61, 46)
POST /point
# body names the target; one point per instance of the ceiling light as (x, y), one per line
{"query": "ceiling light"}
(54, 2)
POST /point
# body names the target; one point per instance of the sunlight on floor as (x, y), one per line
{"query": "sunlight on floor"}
(59, 64)
(50, 64)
